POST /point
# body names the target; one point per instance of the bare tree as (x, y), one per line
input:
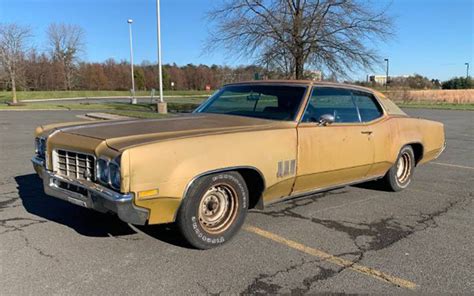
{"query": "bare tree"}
(332, 35)
(13, 49)
(66, 43)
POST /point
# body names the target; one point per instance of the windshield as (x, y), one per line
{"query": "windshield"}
(277, 102)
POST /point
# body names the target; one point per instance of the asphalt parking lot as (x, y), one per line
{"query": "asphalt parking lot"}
(352, 240)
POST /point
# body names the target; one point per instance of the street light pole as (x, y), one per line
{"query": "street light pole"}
(162, 107)
(133, 100)
(467, 70)
(386, 75)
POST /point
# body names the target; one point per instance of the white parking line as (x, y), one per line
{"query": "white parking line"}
(454, 165)
(368, 271)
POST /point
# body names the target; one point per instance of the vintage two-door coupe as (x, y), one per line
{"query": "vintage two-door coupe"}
(248, 145)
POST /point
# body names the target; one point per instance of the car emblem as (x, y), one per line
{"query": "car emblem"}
(87, 175)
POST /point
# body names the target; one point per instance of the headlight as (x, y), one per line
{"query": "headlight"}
(40, 147)
(108, 172)
(115, 178)
(103, 171)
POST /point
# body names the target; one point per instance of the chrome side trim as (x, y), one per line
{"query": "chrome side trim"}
(323, 189)
(221, 170)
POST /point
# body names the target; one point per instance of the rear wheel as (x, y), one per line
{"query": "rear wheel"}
(400, 174)
(213, 210)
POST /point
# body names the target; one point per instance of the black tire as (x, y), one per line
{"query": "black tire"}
(400, 174)
(222, 195)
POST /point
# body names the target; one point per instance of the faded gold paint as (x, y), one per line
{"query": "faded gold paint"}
(169, 153)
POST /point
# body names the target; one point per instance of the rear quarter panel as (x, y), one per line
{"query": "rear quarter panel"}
(430, 134)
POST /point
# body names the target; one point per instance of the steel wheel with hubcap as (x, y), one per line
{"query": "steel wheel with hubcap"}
(213, 209)
(399, 176)
(404, 167)
(218, 208)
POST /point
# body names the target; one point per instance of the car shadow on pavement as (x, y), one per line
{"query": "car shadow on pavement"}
(372, 185)
(84, 221)
(168, 233)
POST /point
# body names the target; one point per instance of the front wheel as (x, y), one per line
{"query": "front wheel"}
(213, 209)
(400, 174)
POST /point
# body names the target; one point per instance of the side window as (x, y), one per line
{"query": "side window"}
(369, 108)
(334, 101)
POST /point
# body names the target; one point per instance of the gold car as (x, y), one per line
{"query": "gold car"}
(248, 145)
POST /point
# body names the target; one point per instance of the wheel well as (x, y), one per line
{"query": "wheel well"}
(255, 186)
(418, 151)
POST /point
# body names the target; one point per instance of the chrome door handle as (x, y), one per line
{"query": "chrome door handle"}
(366, 132)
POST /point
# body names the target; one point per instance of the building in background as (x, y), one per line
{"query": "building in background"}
(382, 79)
(378, 79)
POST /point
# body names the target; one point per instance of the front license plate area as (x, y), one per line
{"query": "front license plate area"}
(75, 190)
(77, 202)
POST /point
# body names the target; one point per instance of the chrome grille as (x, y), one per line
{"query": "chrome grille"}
(74, 165)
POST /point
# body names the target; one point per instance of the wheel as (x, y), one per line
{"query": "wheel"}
(400, 174)
(213, 209)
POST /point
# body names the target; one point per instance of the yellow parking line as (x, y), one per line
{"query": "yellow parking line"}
(453, 165)
(333, 259)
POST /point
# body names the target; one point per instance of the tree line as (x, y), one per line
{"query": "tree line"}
(23, 67)
(285, 37)
(43, 73)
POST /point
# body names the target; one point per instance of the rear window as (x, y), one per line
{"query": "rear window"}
(369, 109)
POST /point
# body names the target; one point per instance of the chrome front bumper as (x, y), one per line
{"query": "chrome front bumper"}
(90, 195)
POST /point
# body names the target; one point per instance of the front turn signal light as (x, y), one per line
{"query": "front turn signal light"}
(148, 193)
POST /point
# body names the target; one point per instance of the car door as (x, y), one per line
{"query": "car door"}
(337, 153)
(381, 128)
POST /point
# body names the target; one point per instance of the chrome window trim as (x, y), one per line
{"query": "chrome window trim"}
(372, 95)
(350, 90)
(374, 99)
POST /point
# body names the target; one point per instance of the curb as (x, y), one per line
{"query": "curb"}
(106, 116)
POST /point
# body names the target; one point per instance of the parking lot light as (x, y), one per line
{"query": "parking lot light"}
(162, 106)
(133, 100)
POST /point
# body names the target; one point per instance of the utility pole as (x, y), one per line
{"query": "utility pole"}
(467, 71)
(386, 75)
(162, 106)
(133, 100)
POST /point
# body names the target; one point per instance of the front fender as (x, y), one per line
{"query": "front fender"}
(170, 166)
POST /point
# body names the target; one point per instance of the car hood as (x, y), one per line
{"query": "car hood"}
(123, 134)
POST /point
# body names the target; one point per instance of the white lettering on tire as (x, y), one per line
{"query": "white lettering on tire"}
(202, 236)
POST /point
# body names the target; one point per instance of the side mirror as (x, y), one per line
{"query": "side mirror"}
(326, 119)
